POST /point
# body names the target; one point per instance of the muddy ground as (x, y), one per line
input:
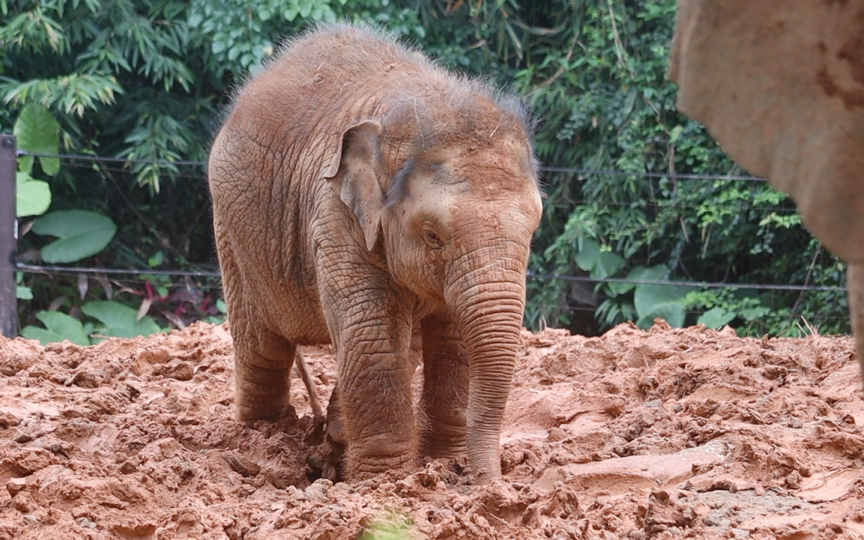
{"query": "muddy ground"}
(662, 434)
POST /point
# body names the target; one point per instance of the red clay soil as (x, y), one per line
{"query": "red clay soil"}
(684, 433)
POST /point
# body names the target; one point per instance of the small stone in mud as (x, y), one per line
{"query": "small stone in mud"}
(84, 379)
(178, 369)
(241, 465)
(318, 490)
(15, 485)
(86, 523)
(128, 391)
(23, 438)
(7, 421)
(29, 519)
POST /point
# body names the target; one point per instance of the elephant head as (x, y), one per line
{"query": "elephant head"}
(451, 199)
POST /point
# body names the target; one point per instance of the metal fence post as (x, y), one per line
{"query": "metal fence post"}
(8, 236)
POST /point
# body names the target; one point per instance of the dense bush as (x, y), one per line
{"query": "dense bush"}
(146, 80)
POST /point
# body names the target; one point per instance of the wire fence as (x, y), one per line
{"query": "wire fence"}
(101, 271)
(567, 170)
(138, 274)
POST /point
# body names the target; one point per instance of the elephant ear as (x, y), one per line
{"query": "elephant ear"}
(353, 173)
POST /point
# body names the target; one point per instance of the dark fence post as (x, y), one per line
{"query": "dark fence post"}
(8, 236)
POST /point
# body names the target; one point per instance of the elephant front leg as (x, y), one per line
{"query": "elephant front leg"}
(445, 389)
(262, 365)
(375, 399)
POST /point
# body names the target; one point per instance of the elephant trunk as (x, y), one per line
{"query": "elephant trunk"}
(489, 306)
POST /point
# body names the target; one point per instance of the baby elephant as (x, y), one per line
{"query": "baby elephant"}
(362, 194)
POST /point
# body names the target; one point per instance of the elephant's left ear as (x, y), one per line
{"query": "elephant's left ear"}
(353, 172)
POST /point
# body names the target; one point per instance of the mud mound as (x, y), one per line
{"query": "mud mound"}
(667, 433)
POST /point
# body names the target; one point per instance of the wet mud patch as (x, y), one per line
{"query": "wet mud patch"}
(661, 434)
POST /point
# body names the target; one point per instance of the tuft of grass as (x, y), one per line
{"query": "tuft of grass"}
(389, 526)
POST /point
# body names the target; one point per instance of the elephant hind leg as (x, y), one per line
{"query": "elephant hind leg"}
(262, 368)
(855, 280)
(262, 359)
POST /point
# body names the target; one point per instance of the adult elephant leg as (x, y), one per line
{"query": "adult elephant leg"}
(855, 281)
(445, 389)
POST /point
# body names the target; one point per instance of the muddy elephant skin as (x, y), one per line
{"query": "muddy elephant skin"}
(780, 85)
(362, 194)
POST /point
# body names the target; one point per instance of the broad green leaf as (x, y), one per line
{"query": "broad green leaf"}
(80, 234)
(38, 132)
(715, 318)
(672, 313)
(664, 301)
(607, 265)
(119, 320)
(157, 259)
(23, 293)
(58, 327)
(588, 254)
(598, 263)
(751, 314)
(32, 197)
(653, 273)
(616, 289)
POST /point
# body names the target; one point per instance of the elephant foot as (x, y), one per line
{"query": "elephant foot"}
(329, 463)
(445, 440)
(391, 471)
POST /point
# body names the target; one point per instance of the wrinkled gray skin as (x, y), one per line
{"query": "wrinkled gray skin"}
(780, 85)
(362, 195)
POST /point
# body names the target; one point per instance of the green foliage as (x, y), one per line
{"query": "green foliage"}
(58, 327)
(715, 318)
(119, 320)
(658, 301)
(33, 197)
(38, 132)
(599, 263)
(241, 35)
(145, 80)
(80, 234)
(22, 292)
(390, 525)
(597, 80)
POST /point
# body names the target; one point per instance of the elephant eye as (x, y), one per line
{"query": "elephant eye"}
(432, 239)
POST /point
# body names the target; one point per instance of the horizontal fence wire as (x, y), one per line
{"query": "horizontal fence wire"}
(695, 284)
(654, 174)
(74, 270)
(69, 270)
(567, 170)
(110, 159)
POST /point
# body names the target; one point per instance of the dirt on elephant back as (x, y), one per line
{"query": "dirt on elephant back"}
(661, 434)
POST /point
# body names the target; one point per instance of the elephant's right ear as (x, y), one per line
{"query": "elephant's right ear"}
(353, 172)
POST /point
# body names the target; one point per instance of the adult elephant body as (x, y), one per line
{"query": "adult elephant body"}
(780, 85)
(362, 195)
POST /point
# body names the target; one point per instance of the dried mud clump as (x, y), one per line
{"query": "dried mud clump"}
(670, 433)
